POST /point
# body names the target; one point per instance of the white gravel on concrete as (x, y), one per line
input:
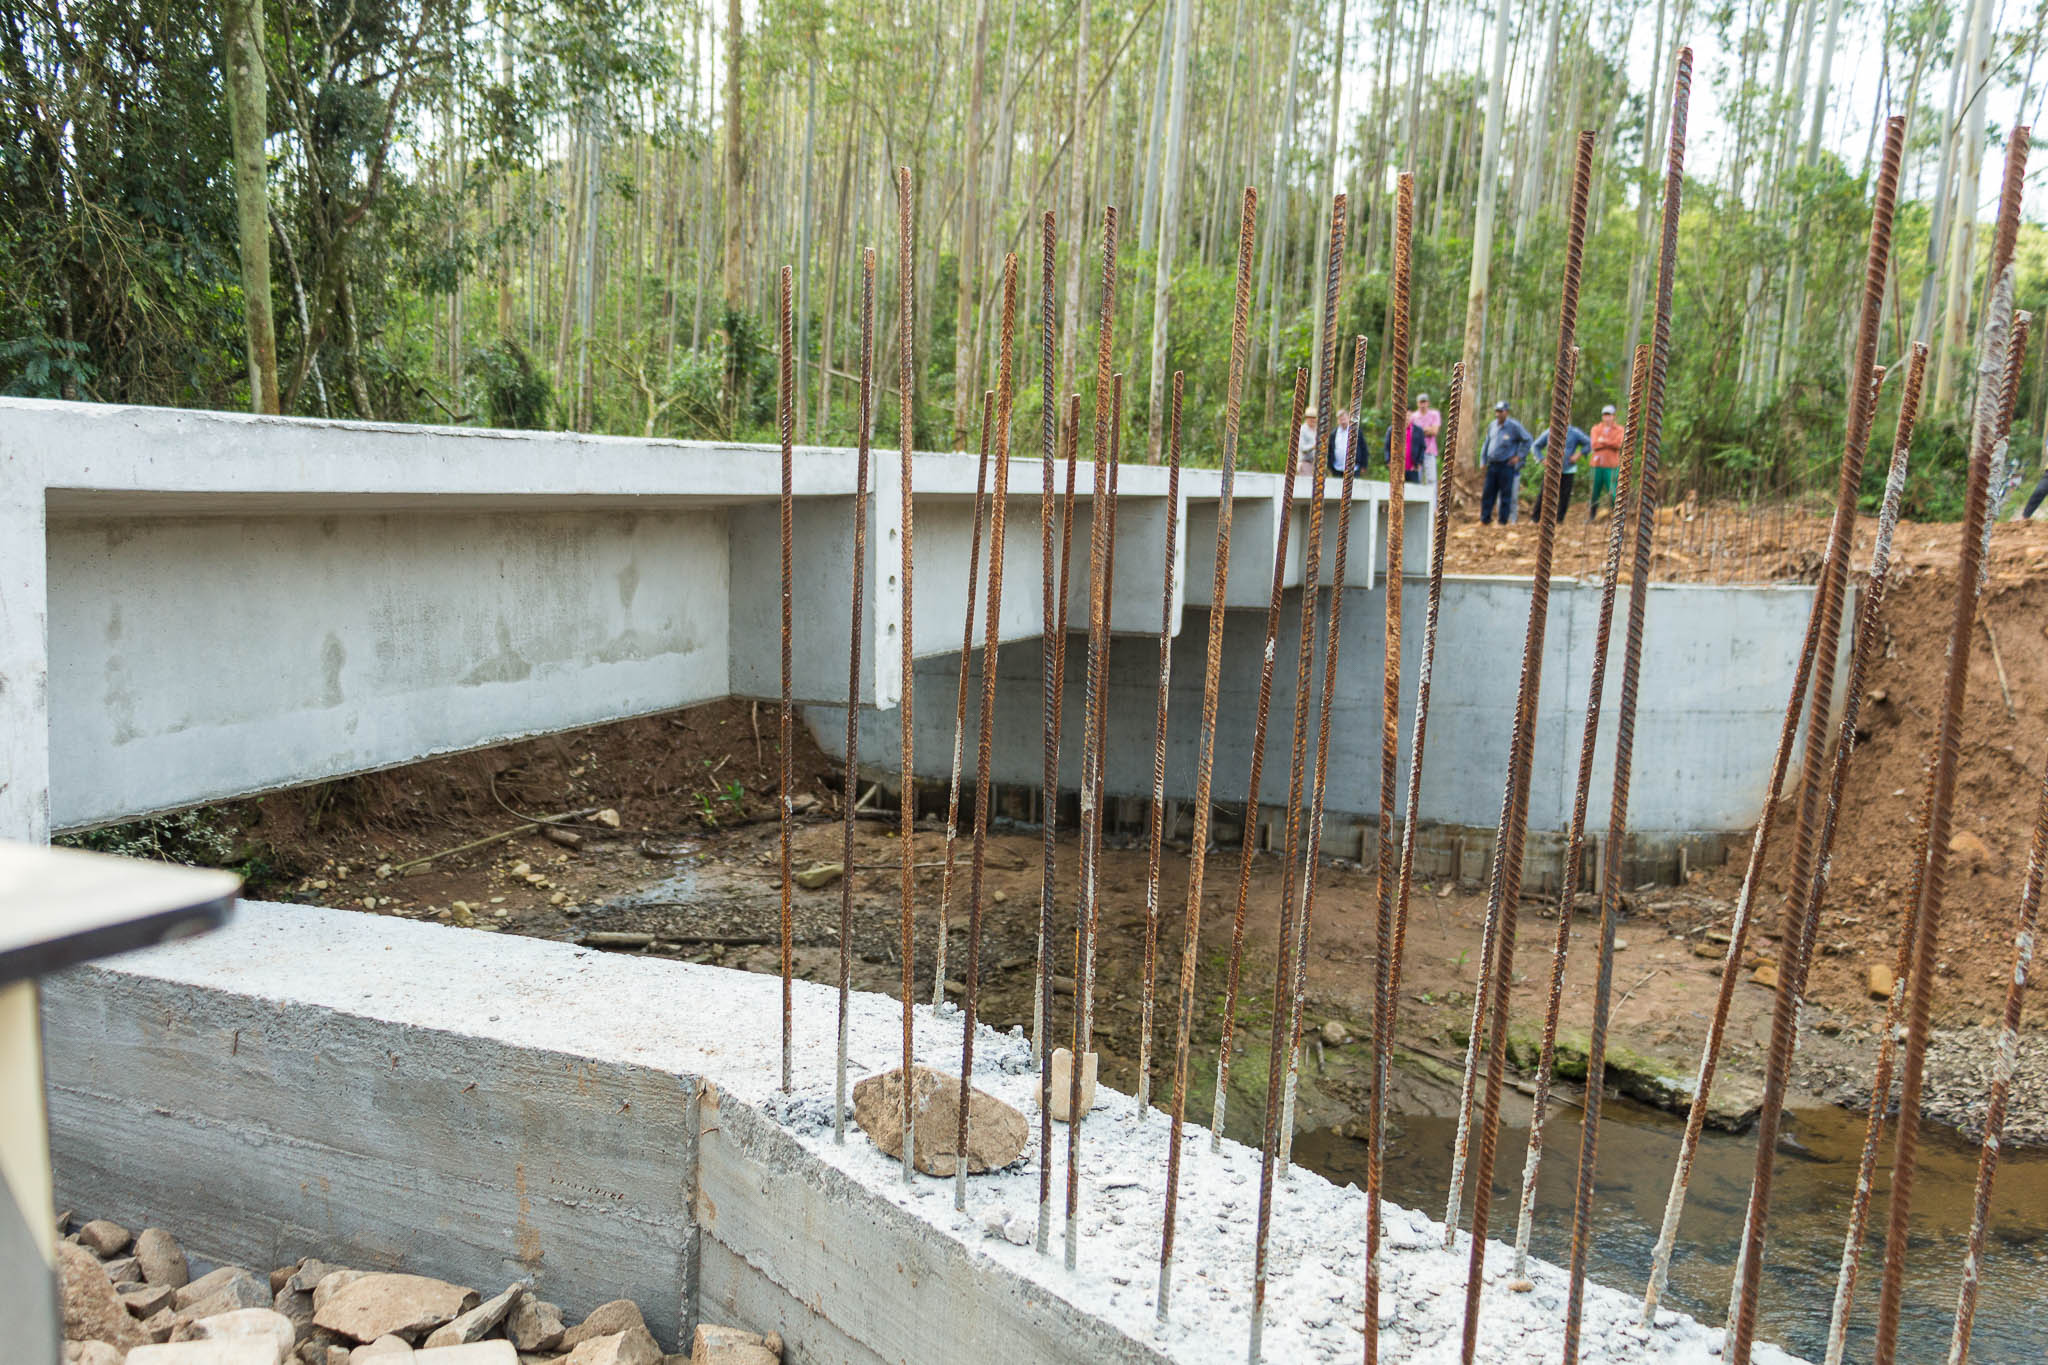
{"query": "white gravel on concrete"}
(725, 1026)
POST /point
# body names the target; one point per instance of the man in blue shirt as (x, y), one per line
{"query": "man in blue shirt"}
(1505, 447)
(1575, 441)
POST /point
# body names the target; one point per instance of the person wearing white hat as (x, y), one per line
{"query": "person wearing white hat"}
(1608, 436)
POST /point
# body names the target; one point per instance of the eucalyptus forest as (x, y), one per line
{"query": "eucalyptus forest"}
(573, 214)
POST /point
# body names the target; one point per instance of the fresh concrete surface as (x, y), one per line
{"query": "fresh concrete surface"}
(486, 1108)
(1717, 667)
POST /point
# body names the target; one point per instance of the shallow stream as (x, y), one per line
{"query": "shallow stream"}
(1816, 1177)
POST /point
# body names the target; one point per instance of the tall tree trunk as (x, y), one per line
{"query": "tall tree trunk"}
(1482, 244)
(1270, 283)
(803, 252)
(1160, 77)
(1169, 220)
(1963, 233)
(735, 159)
(1077, 202)
(248, 124)
(1322, 401)
(969, 258)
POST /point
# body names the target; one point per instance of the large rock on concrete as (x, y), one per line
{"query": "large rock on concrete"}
(534, 1325)
(162, 1259)
(103, 1238)
(636, 1347)
(996, 1133)
(620, 1315)
(478, 1321)
(398, 1305)
(92, 1310)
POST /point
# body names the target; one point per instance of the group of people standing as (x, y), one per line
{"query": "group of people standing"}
(1507, 447)
(1339, 448)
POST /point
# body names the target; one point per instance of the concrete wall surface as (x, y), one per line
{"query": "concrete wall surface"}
(201, 605)
(390, 1094)
(1717, 670)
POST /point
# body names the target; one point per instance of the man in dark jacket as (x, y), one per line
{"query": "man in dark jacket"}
(1575, 441)
(1501, 453)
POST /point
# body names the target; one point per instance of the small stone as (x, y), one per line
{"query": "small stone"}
(1969, 849)
(103, 1238)
(1881, 982)
(820, 875)
(634, 1347)
(1020, 1229)
(607, 1319)
(478, 1321)
(92, 1311)
(1766, 975)
(282, 1275)
(999, 897)
(607, 817)
(159, 1325)
(1521, 1286)
(401, 1305)
(244, 1351)
(534, 1325)
(996, 1133)
(469, 1353)
(711, 1337)
(122, 1269)
(245, 1324)
(149, 1300)
(221, 1291)
(213, 1282)
(1063, 1082)
(1336, 1033)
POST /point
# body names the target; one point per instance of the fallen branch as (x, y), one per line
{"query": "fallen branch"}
(405, 868)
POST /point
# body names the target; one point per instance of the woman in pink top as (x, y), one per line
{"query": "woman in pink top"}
(1428, 419)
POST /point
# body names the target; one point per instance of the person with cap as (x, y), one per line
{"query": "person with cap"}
(1575, 440)
(1505, 447)
(1427, 421)
(1608, 436)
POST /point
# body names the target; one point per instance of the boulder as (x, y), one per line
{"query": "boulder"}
(162, 1259)
(607, 1319)
(996, 1133)
(391, 1304)
(1062, 1087)
(92, 1310)
(534, 1325)
(103, 1238)
(327, 1286)
(635, 1347)
(478, 1321)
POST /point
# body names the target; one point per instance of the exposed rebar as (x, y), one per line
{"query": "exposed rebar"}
(1249, 841)
(988, 408)
(1155, 831)
(1508, 880)
(1280, 1049)
(1797, 934)
(906, 850)
(785, 729)
(1920, 993)
(1198, 851)
(860, 567)
(1575, 848)
(1049, 723)
(1042, 996)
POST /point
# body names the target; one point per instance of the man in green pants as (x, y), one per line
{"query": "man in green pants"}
(1607, 439)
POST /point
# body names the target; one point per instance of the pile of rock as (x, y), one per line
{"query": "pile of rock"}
(132, 1300)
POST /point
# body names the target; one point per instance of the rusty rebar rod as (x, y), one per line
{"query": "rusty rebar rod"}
(2001, 1081)
(1796, 935)
(785, 718)
(1508, 881)
(1042, 995)
(1249, 840)
(1205, 760)
(1283, 974)
(1868, 630)
(860, 566)
(1575, 849)
(1091, 815)
(983, 779)
(1155, 831)
(1927, 932)
(1049, 723)
(906, 298)
(988, 407)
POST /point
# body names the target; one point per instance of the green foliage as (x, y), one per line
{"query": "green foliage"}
(508, 390)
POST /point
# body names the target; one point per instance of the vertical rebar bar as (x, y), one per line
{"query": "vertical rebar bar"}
(983, 779)
(1042, 1004)
(1205, 760)
(1797, 935)
(1283, 974)
(1881, 1078)
(1508, 881)
(1049, 723)
(1575, 848)
(860, 569)
(1920, 994)
(1249, 840)
(1091, 817)
(988, 407)
(785, 729)
(906, 851)
(1155, 831)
